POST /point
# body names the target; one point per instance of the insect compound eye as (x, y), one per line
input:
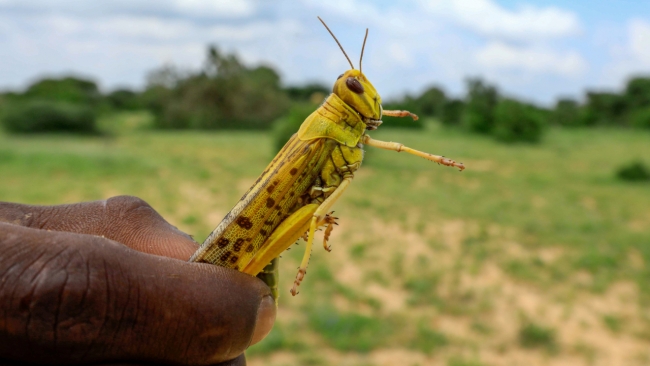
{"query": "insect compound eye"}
(340, 76)
(354, 85)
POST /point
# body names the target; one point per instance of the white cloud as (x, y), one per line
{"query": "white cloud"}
(194, 8)
(630, 57)
(639, 40)
(498, 55)
(527, 23)
(214, 7)
(145, 27)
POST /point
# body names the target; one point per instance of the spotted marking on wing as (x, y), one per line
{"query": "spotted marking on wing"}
(270, 202)
(222, 242)
(274, 198)
(244, 222)
(238, 244)
(224, 257)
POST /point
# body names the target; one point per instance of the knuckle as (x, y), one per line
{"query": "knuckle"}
(127, 203)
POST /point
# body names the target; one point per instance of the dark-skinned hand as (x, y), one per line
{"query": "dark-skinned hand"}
(108, 282)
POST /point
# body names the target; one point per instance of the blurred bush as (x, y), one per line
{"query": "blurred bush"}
(566, 113)
(124, 100)
(452, 112)
(640, 118)
(286, 126)
(604, 109)
(429, 104)
(515, 121)
(482, 99)
(72, 90)
(634, 171)
(408, 103)
(637, 93)
(224, 95)
(310, 92)
(35, 116)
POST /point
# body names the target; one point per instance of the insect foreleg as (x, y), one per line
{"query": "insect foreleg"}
(396, 146)
(320, 213)
(400, 114)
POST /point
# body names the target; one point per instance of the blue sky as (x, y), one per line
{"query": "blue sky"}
(536, 50)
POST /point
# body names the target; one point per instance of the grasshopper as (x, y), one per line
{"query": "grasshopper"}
(292, 197)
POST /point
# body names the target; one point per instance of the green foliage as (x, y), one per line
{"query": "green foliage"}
(407, 103)
(224, 95)
(431, 103)
(286, 126)
(70, 89)
(479, 109)
(604, 108)
(124, 99)
(514, 121)
(452, 112)
(46, 116)
(633, 171)
(313, 93)
(566, 113)
(428, 104)
(536, 336)
(637, 93)
(640, 118)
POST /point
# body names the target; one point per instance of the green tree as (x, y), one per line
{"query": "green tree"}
(37, 116)
(224, 94)
(408, 103)
(452, 112)
(478, 114)
(124, 99)
(307, 92)
(604, 109)
(515, 121)
(566, 113)
(640, 118)
(68, 90)
(637, 93)
(431, 102)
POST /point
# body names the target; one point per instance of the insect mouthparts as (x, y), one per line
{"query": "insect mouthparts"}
(372, 124)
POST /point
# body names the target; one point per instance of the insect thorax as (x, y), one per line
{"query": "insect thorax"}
(335, 120)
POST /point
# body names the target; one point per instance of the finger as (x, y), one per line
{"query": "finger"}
(126, 219)
(84, 299)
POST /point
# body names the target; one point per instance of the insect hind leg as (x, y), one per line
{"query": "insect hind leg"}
(329, 221)
(319, 215)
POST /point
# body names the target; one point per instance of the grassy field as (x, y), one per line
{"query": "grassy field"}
(534, 255)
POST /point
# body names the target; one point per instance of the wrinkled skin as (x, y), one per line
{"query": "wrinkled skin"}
(108, 282)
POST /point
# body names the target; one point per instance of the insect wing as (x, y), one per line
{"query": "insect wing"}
(273, 197)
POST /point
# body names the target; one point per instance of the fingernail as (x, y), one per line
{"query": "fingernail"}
(265, 319)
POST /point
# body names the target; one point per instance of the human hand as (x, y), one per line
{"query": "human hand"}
(108, 281)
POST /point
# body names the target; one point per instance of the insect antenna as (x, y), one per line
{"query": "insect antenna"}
(363, 48)
(337, 41)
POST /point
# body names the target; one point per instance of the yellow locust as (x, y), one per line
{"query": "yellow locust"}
(293, 195)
